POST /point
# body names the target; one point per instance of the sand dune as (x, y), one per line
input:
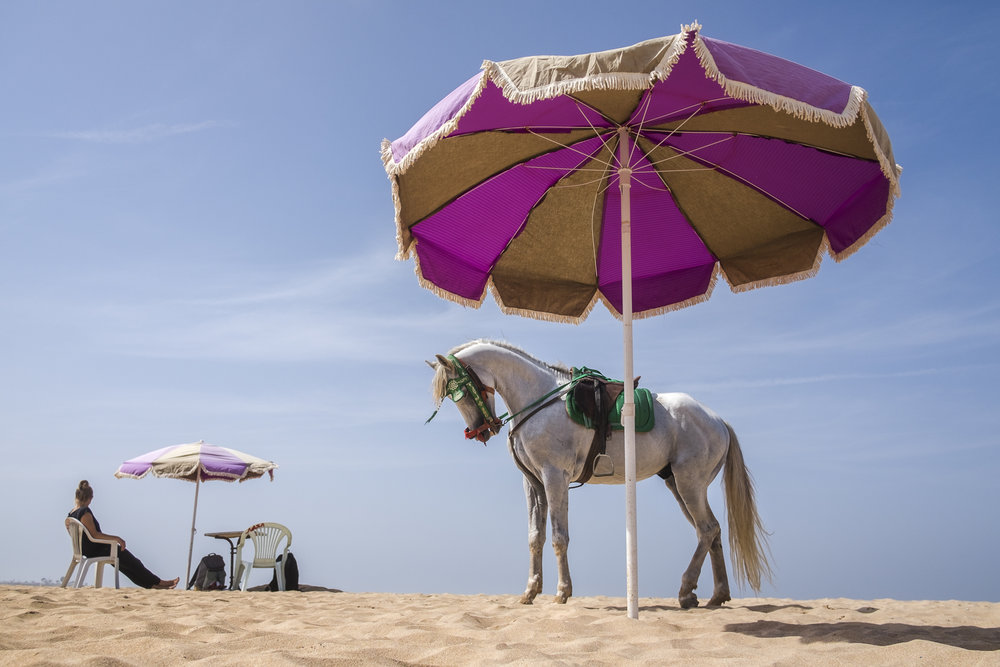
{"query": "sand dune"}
(44, 625)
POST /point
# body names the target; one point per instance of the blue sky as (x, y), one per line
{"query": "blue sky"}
(197, 242)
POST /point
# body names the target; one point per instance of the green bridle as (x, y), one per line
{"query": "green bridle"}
(467, 383)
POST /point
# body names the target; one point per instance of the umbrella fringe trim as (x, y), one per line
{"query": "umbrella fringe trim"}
(542, 316)
(394, 168)
(663, 310)
(253, 470)
(882, 223)
(687, 303)
(123, 475)
(492, 71)
(789, 278)
(215, 476)
(891, 171)
(404, 240)
(606, 81)
(750, 93)
(600, 298)
(443, 293)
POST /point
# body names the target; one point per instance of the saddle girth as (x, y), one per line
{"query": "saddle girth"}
(593, 397)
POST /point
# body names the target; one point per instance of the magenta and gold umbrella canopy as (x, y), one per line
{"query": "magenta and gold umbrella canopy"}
(743, 166)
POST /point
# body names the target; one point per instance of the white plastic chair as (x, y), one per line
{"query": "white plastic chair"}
(76, 532)
(266, 538)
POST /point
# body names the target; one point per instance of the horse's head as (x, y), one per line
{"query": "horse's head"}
(475, 401)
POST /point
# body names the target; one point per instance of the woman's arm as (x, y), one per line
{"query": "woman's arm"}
(88, 520)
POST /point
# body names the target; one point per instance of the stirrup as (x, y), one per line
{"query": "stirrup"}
(603, 466)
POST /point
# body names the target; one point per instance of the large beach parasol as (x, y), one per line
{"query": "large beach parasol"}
(636, 177)
(197, 462)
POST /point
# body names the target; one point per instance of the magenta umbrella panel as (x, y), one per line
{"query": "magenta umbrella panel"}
(741, 164)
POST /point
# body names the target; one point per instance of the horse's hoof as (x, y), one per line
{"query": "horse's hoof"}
(526, 600)
(561, 599)
(688, 602)
(719, 601)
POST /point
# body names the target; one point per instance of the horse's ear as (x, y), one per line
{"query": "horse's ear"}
(432, 364)
(444, 361)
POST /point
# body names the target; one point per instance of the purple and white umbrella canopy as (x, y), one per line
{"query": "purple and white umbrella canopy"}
(197, 462)
(637, 177)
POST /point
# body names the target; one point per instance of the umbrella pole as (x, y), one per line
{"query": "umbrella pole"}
(628, 407)
(197, 485)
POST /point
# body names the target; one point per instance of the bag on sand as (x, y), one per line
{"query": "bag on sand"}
(210, 575)
(291, 574)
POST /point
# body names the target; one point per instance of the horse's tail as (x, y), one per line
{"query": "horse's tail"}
(747, 537)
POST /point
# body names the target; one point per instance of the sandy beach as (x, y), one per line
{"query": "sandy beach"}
(45, 625)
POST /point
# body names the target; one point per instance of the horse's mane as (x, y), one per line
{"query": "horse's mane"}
(440, 381)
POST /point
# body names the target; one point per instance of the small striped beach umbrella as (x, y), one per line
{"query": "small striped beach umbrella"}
(197, 462)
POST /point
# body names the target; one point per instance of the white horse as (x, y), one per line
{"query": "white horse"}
(687, 447)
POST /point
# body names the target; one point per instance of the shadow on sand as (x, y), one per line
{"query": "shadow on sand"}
(972, 638)
(877, 634)
(764, 608)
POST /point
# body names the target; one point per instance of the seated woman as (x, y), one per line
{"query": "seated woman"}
(128, 564)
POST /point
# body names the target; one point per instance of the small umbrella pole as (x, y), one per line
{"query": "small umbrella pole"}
(194, 514)
(628, 407)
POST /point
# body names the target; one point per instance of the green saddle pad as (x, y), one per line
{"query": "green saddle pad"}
(644, 417)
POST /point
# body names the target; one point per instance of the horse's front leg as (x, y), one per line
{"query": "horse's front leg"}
(557, 492)
(537, 516)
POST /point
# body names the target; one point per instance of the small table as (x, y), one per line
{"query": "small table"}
(229, 536)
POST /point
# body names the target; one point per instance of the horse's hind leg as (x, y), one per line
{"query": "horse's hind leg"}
(693, 500)
(537, 515)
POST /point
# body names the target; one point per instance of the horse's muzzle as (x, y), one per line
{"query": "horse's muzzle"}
(483, 432)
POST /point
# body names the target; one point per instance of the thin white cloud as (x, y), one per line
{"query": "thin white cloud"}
(61, 170)
(136, 135)
(338, 280)
(886, 332)
(747, 383)
(924, 328)
(275, 335)
(341, 311)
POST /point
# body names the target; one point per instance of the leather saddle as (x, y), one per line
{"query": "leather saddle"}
(590, 403)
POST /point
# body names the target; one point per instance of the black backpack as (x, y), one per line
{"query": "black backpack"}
(210, 575)
(291, 574)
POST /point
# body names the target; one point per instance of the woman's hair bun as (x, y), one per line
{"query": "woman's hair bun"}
(83, 491)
